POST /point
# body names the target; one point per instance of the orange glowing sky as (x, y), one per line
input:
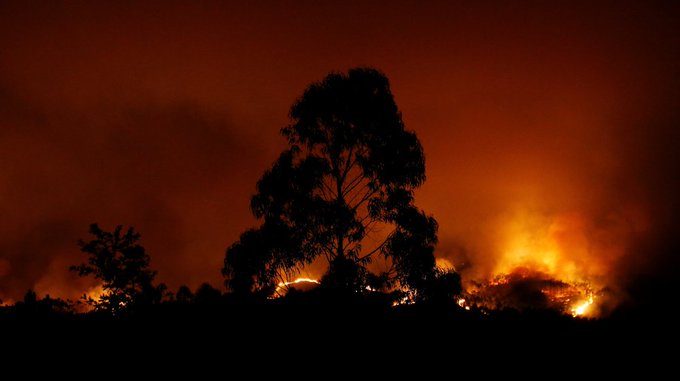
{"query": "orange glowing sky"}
(543, 122)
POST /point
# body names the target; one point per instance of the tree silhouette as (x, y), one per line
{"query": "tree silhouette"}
(343, 191)
(30, 297)
(122, 265)
(207, 294)
(184, 294)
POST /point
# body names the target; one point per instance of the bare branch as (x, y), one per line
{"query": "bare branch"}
(324, 192)
(369, 226)
(328, 187)
(353, 184)
(328, 251)
(360, 192)
(348, 165)
(370, 253)
(364, 218)
(366, 197)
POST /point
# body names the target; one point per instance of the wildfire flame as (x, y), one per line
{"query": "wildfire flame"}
(526, 289)
(283, 287)
(582, 308)
(93, 294)
(542, 264)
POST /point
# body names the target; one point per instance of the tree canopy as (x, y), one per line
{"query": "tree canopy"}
(343, 191)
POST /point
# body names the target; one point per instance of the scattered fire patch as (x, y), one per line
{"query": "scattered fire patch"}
(299, 284)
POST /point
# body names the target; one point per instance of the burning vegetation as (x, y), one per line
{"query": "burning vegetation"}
(526, 289)
(544, 262)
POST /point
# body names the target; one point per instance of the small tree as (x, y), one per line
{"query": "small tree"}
(349, 174)
(184, 294)
(122, 265)
(207, 294)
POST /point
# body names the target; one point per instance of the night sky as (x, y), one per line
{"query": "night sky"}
(543, 123)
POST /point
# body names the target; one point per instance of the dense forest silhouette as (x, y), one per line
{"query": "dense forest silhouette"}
(340, 196)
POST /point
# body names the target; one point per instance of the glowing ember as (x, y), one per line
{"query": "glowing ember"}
(303, 283)
(408, 298)
(299, 280)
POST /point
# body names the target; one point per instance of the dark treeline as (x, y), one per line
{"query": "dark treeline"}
(312, 326)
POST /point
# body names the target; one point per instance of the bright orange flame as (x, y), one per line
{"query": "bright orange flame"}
(444, 264)
(582, 308)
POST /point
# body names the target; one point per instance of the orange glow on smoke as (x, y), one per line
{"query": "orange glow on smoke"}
(546, 262)
(556, 246)
(93, 294)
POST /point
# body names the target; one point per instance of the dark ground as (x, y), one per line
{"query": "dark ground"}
(296, 335)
